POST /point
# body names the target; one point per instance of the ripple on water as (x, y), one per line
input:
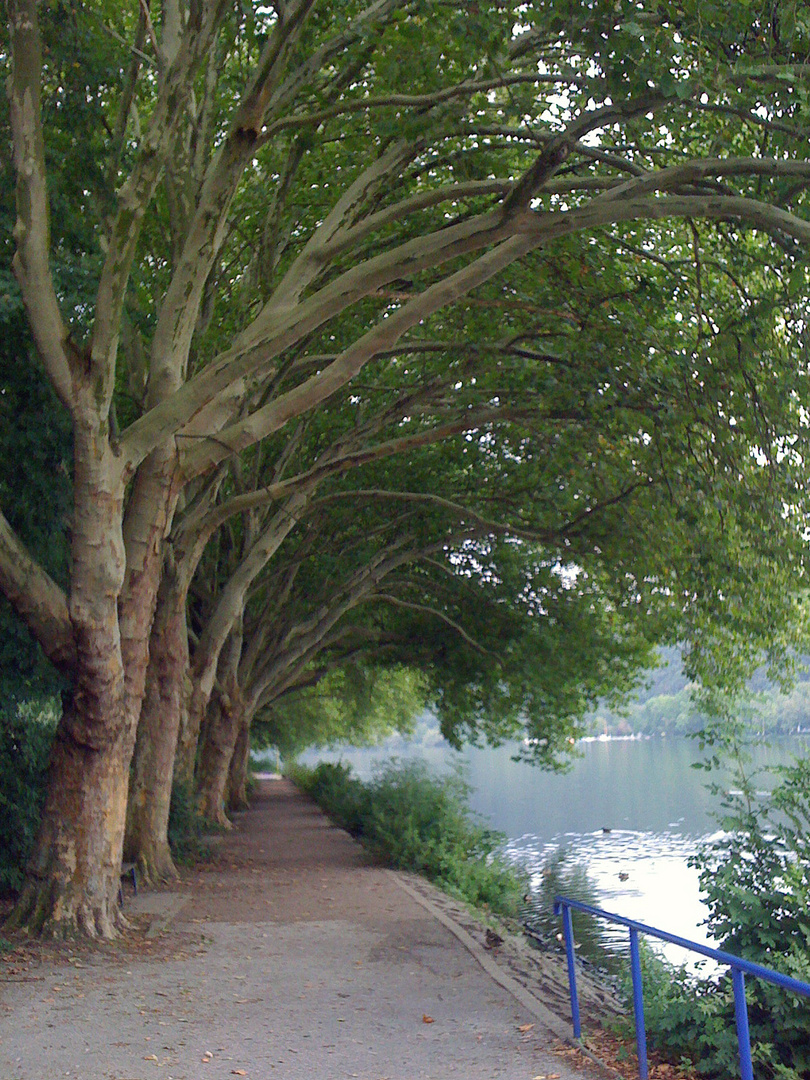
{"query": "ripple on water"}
(641, 875)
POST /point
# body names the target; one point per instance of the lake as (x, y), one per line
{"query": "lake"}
(616, 830)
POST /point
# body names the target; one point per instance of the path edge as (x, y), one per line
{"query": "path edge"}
(555, 1024)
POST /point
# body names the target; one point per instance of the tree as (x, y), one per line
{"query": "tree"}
(270, 214)
(355, 703)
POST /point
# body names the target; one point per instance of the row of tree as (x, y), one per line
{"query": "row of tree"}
(401, 343)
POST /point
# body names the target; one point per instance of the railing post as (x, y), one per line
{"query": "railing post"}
(564, 905)
(741, 1015)
(638, 1005)
(568, 931)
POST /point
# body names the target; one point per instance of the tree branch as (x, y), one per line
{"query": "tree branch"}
(135, 195)
(384, 335)
(32, 229)
(37, 599)
(457, 509)
(275, 330)
(387, 598)
(411, 101)
(690, 172)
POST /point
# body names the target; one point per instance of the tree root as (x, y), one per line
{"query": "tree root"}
(43, 911)
(156, 866)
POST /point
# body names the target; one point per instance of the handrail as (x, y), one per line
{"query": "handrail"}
(739, 968)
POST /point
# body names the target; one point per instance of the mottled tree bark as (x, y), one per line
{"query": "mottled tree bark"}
(147, 840)
(221, 733)
(236, 792)
(73, 875)
(215, 758)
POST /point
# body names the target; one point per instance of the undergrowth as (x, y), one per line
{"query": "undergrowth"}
(187, 828)
(756, 879)
(26, 736)
(419, 822)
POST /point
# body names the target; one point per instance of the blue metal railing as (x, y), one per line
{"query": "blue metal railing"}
(739, 968)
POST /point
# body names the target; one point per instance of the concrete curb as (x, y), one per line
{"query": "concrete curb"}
(161, 908)
(555, 1024)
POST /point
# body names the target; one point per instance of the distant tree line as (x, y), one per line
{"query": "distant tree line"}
(666, 705)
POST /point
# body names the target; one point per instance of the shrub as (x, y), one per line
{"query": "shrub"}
(686, 1018)
(333, 787)
(757, 884)
(26, 736)
(419, 822)
(187, 827)
(756, 877)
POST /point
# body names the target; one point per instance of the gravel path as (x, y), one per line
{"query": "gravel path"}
(290, 955)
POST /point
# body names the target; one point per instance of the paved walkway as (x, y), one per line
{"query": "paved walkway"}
(290, 956)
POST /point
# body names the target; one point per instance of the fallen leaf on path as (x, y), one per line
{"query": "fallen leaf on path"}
(150, 1057)
(525, 1027)
(238, 1072)
(427, 1019)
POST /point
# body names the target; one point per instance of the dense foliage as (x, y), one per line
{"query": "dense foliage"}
(188, 829)
(35, 490)
(354, 704)
(26, 734)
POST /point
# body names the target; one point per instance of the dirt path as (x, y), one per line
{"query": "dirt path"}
(290, 955)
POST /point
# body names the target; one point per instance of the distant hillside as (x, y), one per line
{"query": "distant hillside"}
(667, 679)
(663, 705)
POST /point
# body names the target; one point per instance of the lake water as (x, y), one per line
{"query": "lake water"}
(616, 831)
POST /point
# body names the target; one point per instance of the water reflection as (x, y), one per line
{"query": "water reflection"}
(645, 786)
(641, 875)
(555, 873)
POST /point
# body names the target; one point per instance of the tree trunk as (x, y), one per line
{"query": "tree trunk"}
(73, 876)
(236, 792)
(147, 839)
(189, 738)
(150, 509)
(222, 731)
(215, 758)
(74, 873)
(225, 622)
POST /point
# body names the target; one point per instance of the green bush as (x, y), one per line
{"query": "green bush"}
(333, 787)
(756, 877)
(26, 736)
(187, 827)
(757, 884)
(419, 822)
(686, 1018)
